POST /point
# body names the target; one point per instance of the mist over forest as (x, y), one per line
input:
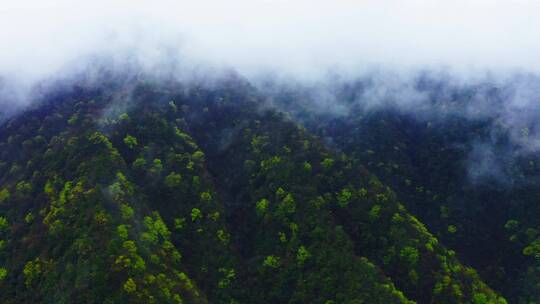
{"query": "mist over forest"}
(270, 151)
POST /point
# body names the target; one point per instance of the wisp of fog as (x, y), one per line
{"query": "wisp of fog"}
(386, 43)
(300, 37)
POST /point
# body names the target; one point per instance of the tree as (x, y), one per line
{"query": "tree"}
(206, 197)
(410, 255)
(271, 261)
(302, 255)
(157, 167)
(198, 156)
(327, 163)
(3, 224)
(287, 205)
(173, 180)
(261, 206)
(344, 197)
(130, 286)
(195, 214)
(23, 188)
(122, 232)
(4, 195)
(126, 211)
(139, 163)
(33, 270)
(130, 141)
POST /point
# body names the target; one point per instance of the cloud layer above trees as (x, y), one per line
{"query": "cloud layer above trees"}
(302, 37)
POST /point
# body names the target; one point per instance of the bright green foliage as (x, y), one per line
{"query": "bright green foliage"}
(215, 216)
(206, 197)
(480, 298)
(533, 249)
(198, 156)
(511, 225)
(130, 286)
(157, 166)
(228, 276)
(223, 236)
(302, 255)
(126, 211)
(173, 180)
(287, 205)
(280, 193)
(327, 163)
(344, 197)
(271, 261)
(375, 212)
(130, 141)
(119, 221)
(98, 138)
(156, 229)
(49, 189)
(258, 143)
(409, 255)
(195, 214)
(33, 270)
(121, 188)
(29, 217)
(262, 206)
(179, 223)
(139, 163)
(122, 232)
(3, 224)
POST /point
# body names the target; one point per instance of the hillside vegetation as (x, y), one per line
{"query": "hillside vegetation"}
(166, 193)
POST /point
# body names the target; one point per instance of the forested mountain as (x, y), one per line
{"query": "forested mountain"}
(145, 191)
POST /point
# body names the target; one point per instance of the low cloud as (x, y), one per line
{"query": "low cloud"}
(303, 38)
(409, 55)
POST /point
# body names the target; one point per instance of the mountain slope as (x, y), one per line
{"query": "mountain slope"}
(168, 194)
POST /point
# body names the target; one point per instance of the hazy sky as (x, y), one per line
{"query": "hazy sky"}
(303, 36)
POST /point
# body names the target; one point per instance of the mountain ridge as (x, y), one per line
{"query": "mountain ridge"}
(125, 150)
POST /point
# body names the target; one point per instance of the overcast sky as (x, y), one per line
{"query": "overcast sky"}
(303, 36)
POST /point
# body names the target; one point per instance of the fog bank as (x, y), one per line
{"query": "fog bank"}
(303, 38)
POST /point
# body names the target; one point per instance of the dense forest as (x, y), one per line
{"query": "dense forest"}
(149, 191)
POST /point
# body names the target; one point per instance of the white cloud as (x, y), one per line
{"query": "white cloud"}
(302, 37)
